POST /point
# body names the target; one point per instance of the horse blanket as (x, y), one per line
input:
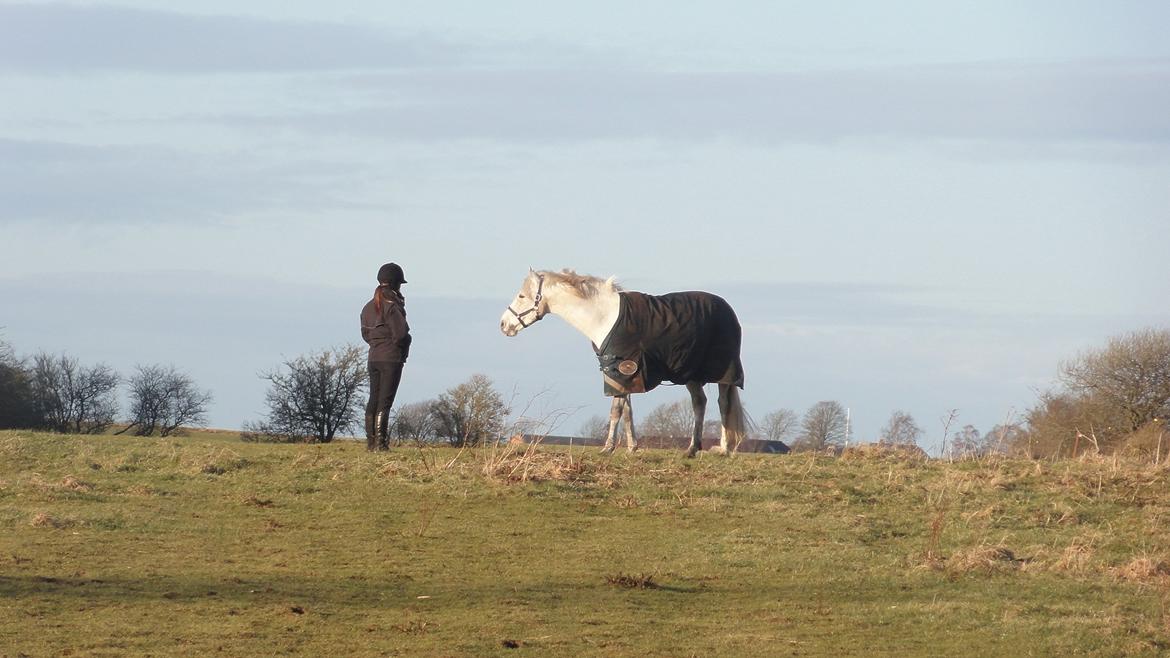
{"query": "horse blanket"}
(679, 337)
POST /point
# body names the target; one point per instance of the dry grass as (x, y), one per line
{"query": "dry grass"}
(627, 502)
(413, 626)
(256, 501)
(73, 484)
(44, 520)
(1076, 558)
(632, 581)
(884, 452)
(985, 559)
(517, 464)
(189, 546)
(218, 462)
(1144, 569)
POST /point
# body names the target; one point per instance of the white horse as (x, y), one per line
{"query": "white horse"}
(698, 349)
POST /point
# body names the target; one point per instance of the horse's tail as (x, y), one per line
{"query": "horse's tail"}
(735, 430)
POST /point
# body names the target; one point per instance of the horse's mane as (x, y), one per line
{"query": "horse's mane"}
(584, 285)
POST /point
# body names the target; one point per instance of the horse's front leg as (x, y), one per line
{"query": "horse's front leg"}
(628, 421)
(615, 417)
(699, 407)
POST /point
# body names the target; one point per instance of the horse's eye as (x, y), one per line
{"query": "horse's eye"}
(521, 295)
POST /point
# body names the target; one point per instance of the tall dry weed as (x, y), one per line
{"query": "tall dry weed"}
(529, 464)
(1076, 557)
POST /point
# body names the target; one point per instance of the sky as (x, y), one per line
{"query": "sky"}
(911, 205)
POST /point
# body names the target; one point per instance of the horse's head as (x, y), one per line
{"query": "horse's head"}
(528, 306)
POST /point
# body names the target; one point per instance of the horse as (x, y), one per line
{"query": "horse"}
(690, 338)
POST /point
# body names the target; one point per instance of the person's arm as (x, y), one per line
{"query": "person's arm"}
(366, 327)
(399, 330)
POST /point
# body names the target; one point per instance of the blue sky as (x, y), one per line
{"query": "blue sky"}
(912, 205)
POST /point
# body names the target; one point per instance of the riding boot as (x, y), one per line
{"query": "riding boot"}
(371, 436)
(382, 425)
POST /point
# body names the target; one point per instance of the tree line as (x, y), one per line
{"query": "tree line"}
(1107, 400)
(1113, 399)
(59, 393)
(314, 397)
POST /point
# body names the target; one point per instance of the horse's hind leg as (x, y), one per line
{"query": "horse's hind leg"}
(731, 418)
(628, 421)
(615, 418)
(699, 407)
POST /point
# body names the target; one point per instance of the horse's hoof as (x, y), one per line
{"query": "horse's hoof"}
(607, 451)
(691, 454)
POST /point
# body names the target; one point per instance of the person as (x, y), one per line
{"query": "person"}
(385, 329)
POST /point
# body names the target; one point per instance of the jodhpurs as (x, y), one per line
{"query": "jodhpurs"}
(384, 379)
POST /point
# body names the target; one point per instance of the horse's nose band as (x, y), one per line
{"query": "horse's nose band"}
(535, 305)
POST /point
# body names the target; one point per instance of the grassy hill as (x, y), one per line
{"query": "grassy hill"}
(205, 545)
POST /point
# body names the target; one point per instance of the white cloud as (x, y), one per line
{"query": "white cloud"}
(42, 180)
(1028, 104)
(58, 38)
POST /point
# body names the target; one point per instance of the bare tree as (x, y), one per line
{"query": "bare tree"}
(69, 397)
(51, 379)
(712, 429)
(471, 413)
(1070, 423)
(162, 400)
(597, 427)
(947, 421)
(967, 443)
(900, 429)
(780, 425)
(1131, 374)
(315, 396)
(673, 420)
(1109, 397)
(1005, 438)
(414, 422)
(16, 400)
(824, 426)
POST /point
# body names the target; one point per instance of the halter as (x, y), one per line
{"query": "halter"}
(535, 305)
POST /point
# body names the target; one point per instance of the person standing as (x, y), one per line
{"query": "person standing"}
(385, 330)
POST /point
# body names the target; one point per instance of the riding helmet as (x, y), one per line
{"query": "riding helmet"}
(391, 273)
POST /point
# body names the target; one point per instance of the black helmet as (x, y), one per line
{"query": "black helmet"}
(391, 273)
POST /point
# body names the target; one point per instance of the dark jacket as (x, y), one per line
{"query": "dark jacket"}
(387, 333)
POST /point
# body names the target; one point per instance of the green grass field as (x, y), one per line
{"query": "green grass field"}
(205, 545)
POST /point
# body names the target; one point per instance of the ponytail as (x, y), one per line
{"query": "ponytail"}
(378, 299)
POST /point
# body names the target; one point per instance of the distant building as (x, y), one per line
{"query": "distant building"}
(765, 446)
(554, 440)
